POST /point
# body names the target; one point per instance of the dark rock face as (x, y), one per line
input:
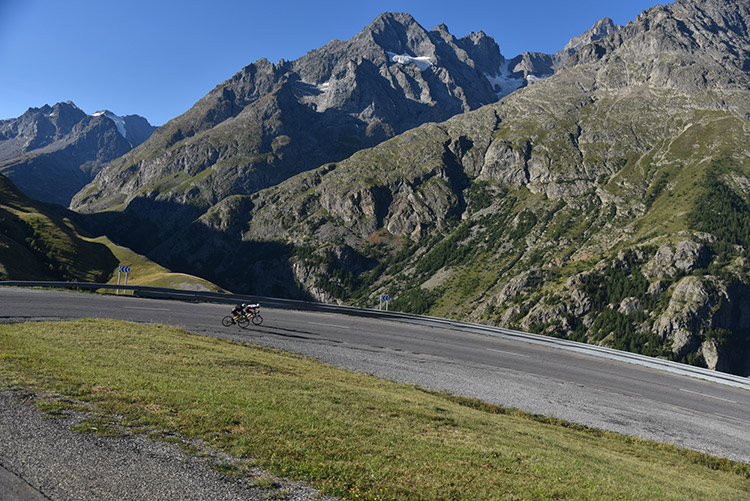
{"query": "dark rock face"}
(604, 27)
(37, 128)
(534, 65)
(51, 152)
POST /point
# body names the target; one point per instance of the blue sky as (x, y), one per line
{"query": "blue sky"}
(156, 58)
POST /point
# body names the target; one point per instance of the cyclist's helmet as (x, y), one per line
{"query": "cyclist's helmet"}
(244, 305)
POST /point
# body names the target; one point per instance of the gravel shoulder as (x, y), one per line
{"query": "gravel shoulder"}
(42, 458)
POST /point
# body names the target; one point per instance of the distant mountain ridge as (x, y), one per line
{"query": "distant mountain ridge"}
(51, 152)
(272, 121)
(535, 65)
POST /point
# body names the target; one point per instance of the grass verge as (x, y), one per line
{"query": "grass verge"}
(348, 434)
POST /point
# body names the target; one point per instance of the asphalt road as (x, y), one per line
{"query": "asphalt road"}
(590, 390)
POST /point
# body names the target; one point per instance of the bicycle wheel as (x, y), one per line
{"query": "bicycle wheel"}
(243, 322)
(257, 319)
(227, 321)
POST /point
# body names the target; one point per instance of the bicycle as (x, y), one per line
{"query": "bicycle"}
(241, 320)
(251, 314)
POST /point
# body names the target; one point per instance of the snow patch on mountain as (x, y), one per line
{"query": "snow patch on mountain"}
(423, 62)
(118, 120)
(532, 79)
(504, 82)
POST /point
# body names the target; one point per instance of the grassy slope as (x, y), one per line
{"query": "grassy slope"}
(349, 434)
(37, 244)
(143, 271)
(617, 172)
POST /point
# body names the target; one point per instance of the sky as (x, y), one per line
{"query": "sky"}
(156, 58)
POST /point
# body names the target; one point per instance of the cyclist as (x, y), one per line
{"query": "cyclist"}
(251, 309)
(238, 311)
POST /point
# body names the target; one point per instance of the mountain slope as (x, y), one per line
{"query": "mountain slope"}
(608, 203)
(38, 244)
(42, 242)
(272, 121)
(50, 153)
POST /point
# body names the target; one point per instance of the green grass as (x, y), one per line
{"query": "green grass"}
(38, 244)
(348, 434)
(145, 272)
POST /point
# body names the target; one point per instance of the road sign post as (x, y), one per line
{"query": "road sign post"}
(125, 270)
(384, 299)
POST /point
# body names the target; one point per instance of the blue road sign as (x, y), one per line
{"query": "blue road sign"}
(124, 269)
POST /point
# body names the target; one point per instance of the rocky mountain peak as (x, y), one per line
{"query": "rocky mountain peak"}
(601, 29)
(119, 121)
(52, 152)
(442, 28)
(134, 128)
(536, 65)
(398, 33)
(688, 45)
(391, 23)
(484, 51)
(41, 126)
(347, 95)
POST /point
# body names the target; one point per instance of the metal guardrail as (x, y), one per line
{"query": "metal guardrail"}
(292, 304)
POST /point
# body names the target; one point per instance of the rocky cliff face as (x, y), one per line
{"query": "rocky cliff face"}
(608, 203)
(272, 121)
(51, 152)
(535, 65)
(688, 45)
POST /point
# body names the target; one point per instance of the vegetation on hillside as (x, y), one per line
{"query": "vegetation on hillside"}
(39, 242)
(597, 262)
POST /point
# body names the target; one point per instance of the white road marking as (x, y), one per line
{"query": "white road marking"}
(730, 418)
(145, 308)
(508, 353)
(709, 396)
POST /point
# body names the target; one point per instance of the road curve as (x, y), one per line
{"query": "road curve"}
(599, 392)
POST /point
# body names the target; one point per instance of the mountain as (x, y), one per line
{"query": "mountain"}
(535, 65)
(36, 243)
(602, 28)
(40, 241)
(52, 152)
(134, 128)
(270, 122)
(608, 203)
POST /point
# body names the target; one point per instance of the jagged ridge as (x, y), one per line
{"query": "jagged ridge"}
(52, 152)
(272, 121)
